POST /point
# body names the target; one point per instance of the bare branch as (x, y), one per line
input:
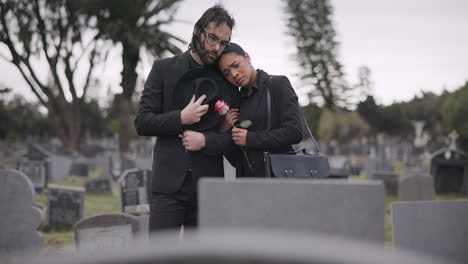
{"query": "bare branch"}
(91, 66)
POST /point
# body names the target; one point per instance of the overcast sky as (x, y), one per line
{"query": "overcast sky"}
(408, 45)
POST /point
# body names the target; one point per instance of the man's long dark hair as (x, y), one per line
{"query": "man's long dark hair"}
(216, 14)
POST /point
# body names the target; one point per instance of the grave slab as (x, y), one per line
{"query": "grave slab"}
(20, 218)
(339, 207)
(434, 227)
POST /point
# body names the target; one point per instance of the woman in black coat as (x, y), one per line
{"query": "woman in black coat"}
(276, 134)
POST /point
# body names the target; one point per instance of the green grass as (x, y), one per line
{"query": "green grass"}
(102, 203)
(94, 204)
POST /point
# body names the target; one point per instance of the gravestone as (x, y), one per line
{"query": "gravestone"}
(80, 168)
(337, 207)
(36, 170)
(101, 185)
(390, 180)
(336, 173)
(416, 188)
(229, 170)
(104, 232)
(144, 163)
(449, 168)
(433, 227)
(65, 206)
(20, 218)
(135, 191)
(242, 246)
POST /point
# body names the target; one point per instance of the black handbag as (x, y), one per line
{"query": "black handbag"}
(295, 164)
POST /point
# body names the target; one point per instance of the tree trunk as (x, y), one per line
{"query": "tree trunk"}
(130, 57)
(67, 121)
(124, 124)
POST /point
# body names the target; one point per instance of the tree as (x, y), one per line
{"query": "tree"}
(135, 25)
(371, 113)
(311, 114)
(310, 24)
(341, 126)
(454, 113)
(51, 34)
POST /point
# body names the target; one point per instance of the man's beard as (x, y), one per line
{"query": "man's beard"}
(205, 55)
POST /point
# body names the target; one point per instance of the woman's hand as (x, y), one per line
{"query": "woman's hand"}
(239, 135)
(226, 124)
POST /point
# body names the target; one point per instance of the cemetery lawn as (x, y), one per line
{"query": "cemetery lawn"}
(104, 203)
(94, 204)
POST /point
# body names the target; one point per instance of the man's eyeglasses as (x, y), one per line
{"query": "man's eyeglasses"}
(213, 40)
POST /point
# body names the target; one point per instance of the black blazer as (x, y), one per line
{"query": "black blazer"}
(157, 117)
(286, 122)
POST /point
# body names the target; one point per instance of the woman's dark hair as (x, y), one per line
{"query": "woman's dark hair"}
(216, 14)
(234, 48)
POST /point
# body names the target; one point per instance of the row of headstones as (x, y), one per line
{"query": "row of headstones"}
(353, 209)
(65, 204)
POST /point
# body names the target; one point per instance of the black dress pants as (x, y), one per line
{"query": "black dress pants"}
(171, 211)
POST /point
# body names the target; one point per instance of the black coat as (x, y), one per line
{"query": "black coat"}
(156, 117)
(286, 121)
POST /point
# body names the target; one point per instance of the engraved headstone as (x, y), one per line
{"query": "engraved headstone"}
(36, 170)
(135, 190)
(20, 218)
(105, 231)
(65, 206)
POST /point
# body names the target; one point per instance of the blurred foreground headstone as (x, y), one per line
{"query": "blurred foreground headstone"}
(433, 227)
(19, 219)
(339, 207)
(242, 246)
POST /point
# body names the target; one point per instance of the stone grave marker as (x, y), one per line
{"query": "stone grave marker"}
(390, 180)
(419, 187)
(20, 218)
(449, 168)
(65, 206)
(242, 246)
(439, 228)
(337, 207)
(36, 170)
(104, 232)
(80, 168)
(100, 185)
(134, 191)
(229, 170)
(336, 173)
(144, 163)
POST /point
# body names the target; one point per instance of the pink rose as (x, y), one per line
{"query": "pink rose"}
(221, 107)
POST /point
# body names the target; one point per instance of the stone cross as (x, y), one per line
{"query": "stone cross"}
(453, 139)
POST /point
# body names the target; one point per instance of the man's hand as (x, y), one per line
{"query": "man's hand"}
(226, 124)
(192, 140)
(239, 135)
(193, 112)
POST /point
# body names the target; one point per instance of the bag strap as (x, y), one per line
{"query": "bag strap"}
(317, 149)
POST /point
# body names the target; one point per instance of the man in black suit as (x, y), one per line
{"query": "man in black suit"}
(176, 165)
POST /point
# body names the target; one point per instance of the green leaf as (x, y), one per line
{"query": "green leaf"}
(245, 124)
